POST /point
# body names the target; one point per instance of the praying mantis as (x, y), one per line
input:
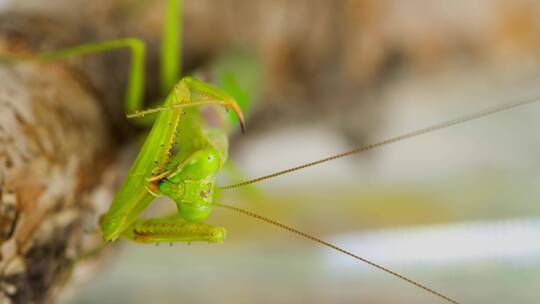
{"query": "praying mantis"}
(181, 157)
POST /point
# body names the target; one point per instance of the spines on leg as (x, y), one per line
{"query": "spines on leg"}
(200, 93)
(173, 229)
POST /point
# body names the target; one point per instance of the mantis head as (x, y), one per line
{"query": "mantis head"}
(192, 185)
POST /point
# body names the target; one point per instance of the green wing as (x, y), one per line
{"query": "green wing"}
(133, 198)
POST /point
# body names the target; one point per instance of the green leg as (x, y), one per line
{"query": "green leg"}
(170, 58)
(173, 229)
(171, 46)
(135, 86)
(199, 93)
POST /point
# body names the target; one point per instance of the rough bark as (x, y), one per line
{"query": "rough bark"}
(53, 152)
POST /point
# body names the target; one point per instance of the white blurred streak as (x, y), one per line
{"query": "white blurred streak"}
(506, 240)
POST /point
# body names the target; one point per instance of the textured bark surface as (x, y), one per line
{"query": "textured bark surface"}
(61, 128)
(54, 146)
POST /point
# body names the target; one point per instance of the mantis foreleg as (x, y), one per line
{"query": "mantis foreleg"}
(200, 93)
(173, 229)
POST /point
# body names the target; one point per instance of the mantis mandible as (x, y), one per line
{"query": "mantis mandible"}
(181, 157)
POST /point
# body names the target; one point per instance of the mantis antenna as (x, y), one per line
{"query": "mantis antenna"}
(334, 247)
(430, 129)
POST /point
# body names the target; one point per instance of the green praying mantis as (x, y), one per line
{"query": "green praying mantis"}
(181, 155)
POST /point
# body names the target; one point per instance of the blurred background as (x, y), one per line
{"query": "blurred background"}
(456, 210)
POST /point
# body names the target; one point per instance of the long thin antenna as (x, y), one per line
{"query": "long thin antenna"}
(336, 248)
(440, 126)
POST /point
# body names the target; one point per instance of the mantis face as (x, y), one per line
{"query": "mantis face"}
(191, 186)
